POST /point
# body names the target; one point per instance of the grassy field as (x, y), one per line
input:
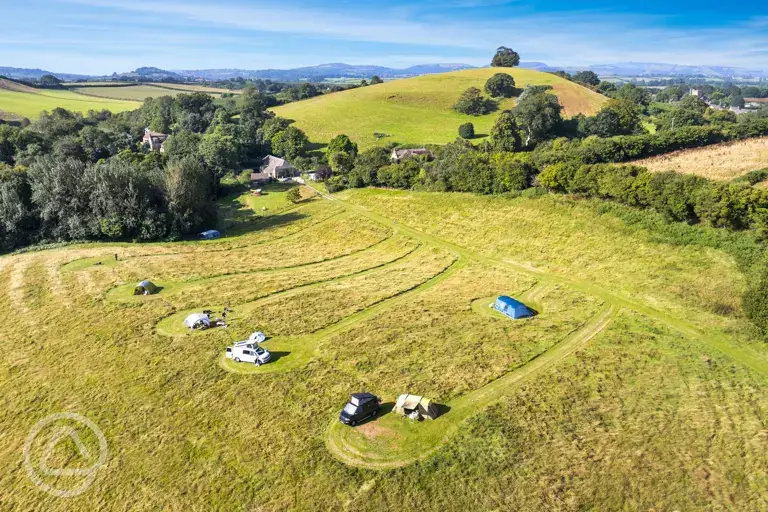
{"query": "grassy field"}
(19, 101)
(718, 162)
(197, 88)
(419, 110)
(142, 92)
(639, 384)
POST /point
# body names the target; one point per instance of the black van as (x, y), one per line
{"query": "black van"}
(360, 407)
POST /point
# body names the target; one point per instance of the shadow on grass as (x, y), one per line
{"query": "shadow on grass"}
(479, 136)
(276, 356)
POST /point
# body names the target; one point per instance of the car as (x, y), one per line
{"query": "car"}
(245, 352)
(361, 406)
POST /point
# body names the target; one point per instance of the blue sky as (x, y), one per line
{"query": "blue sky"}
(102, 36)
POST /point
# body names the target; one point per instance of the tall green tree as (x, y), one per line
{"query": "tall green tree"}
(219, 152)
(190, 192)
(586, 78)
(538, 116)
(505, 58)
(289, 143)
(342, 144)
(505, 134)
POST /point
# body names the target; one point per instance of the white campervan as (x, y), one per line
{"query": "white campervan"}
(245, 352)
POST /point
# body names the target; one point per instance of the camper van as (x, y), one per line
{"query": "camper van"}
(245, 352)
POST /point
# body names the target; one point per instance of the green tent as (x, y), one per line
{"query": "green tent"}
(145, 288)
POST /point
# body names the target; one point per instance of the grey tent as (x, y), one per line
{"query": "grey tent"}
(410, 404)
(145, 287)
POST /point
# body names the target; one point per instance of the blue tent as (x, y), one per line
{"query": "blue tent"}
(210, 234)
(511, 307)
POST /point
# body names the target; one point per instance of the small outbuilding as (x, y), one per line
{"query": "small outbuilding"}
(197, 321)
(415, 406)
(211, 234)
(145, 287)
(512, 308)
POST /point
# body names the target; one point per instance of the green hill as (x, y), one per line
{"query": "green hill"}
(419, 110)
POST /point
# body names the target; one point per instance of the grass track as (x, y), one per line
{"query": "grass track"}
(366, 455)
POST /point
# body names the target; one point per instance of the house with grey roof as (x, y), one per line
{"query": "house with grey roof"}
(398, 155)
(273, 168)
(154, 140)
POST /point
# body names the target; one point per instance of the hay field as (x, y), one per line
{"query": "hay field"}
(718, 162)
(21, 101)
(144, 91)
(419, 110)
(633, 388)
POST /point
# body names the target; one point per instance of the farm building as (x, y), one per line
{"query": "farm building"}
(273, 168)
(145, 287)
(413, 405)
(154, 140)
(211, 234)
(511, 307)
(398, 155)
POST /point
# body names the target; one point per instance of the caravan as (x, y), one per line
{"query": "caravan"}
(248, 352)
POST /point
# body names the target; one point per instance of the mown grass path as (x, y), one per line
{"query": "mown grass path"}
(396, 443)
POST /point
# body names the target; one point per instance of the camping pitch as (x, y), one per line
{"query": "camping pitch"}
(512, 308)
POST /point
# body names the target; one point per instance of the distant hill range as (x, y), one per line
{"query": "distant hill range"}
(655, 69)
(342, 71)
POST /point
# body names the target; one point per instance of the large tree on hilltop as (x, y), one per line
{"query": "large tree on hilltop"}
(505, 58)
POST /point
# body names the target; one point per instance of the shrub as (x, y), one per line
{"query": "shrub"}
(294, 195)
(467, 131)
(472, 102)
(755, 301)
(500, 85)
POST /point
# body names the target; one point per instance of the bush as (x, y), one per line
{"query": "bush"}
(467, 131)
(755, 301)
(472, 102)
(294, 195)
(500, 85)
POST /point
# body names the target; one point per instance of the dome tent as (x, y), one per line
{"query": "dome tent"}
(408, 404)
(145, 287)
(512, 308)
(197, 321)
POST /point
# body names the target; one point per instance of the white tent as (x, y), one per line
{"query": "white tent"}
(407, 404)
(197, 321)
(257, 336)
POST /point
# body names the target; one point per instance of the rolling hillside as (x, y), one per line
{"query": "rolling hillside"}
(18, 101)
(418, 110)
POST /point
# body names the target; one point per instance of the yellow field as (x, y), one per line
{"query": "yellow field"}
(419, 110)
(717, 162)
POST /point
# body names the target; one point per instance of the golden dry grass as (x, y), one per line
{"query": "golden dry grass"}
(718, 162)
(640, 417)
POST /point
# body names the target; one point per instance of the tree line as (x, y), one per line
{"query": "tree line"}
(69, 176)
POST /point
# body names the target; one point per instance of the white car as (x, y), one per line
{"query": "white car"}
(245, 352)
